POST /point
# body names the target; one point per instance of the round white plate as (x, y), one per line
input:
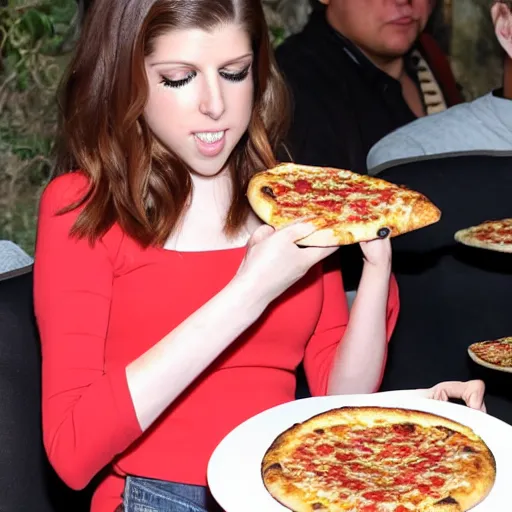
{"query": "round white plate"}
(234, 468)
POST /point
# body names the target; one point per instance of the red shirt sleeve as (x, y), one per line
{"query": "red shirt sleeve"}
(321, 349)
(88, 414)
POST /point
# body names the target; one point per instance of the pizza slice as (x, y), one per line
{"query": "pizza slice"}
(495, 235)
(346, 207)
(494, 354)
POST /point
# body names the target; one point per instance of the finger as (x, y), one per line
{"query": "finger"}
(453, 389)
(315, 254)
(297, 230)
(442, 396)
(474, 395)
(262, 233)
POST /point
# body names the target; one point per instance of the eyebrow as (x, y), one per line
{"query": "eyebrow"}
(184, 63)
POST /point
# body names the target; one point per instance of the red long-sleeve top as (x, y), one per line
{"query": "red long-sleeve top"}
(101, 306)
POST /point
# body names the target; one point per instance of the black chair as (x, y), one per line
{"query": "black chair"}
(27, 482)
(452, 295)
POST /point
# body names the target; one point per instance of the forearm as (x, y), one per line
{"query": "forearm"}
(162, 373)
(361, 355)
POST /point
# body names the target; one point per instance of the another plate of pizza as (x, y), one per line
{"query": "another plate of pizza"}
(346, 207)
(385, 452)
(493, 354)
(493, 235)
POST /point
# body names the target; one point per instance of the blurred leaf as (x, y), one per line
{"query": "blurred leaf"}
(38, 24)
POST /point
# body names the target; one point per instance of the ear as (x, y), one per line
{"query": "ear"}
(502, 19)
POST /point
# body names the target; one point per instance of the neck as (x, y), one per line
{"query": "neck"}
(507, 79)
(394, 66)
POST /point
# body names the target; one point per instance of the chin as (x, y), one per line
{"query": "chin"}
(397, 48)
(208, 169)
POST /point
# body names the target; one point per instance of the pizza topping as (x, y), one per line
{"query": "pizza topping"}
(497, 352)
(383, 232)
(495, 234)
(383, 467)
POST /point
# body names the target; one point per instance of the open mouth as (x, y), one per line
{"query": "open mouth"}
(210, 137)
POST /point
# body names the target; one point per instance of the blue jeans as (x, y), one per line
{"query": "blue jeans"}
(145, 495)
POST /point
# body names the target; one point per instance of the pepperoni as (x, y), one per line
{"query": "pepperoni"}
(324, 449)
(354, 485)
(303, 452)
(345, 457)
(355, 218)
(405, 479)
(329, 204)
(368, 508)
(303, 186)
(401, 451)
(360, 206)
(385, 196)
(437, 481)
(404, 429)
(279, 189)
(378, 496)
(424, 489)
(401, 508)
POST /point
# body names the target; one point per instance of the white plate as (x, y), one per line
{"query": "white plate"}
(234, 468)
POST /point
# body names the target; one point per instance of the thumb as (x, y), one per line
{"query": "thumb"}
(262, 233)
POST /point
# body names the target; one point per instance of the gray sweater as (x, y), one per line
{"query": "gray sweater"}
(482, 125)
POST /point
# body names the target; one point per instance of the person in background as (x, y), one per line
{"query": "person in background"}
(359, 70)
(12, 257)
(482, 125)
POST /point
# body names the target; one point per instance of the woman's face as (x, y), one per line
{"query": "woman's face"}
(201, 93)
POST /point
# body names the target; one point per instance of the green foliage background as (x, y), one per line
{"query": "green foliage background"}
(36, 38)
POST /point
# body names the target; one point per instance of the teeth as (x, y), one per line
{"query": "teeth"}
(210, 137)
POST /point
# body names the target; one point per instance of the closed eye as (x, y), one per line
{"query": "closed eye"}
(235, 77)
(175, 84)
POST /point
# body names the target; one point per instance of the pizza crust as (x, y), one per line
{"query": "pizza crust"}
(417, 210)
(297, 500)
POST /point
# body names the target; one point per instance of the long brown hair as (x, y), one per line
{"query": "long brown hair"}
(133, 180)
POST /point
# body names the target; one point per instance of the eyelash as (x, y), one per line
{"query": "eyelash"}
(232, 77)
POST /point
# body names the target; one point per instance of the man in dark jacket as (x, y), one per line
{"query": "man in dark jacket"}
(357, 72)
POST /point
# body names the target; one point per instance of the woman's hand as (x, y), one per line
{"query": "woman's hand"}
(472, 392)
(274, 262)
(377, 252)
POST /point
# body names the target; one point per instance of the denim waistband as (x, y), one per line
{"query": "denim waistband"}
(147, 495)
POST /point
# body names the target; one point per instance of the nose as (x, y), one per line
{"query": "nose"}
(212, 99)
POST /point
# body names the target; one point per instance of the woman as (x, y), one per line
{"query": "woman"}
(168, 314)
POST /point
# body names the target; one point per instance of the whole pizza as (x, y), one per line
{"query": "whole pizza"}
(377, 459)
(345, 206)
(495, 235)
(496, 354)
